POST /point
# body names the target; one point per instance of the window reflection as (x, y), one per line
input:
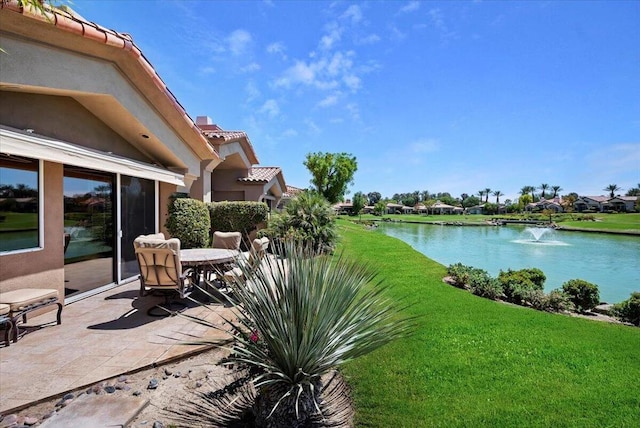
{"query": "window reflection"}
(19, 203)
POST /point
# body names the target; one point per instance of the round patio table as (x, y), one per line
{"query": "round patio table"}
(198, 257)
(207, 263)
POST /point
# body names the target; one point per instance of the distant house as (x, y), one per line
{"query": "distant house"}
(604, 203)
(476, 209)
(343, 207)
(623, 203)
(442, 208)
(420, 208)
(554, 204)
(289, 194)
(237, 177)
(590, 203)
(394, 208)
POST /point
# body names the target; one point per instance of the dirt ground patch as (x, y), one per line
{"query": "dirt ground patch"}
(166, 387)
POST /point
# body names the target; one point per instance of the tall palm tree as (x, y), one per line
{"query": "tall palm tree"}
(528, 189)
(544, 187)
(556, 190)
(487, 192)
(612, 189)
(497, 194)
(481, 193)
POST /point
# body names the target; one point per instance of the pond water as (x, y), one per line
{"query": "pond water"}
(610, 261)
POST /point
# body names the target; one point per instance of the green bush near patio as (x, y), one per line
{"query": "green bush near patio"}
(476, 362)
(189, 221)
(237, 216)
(308, 220)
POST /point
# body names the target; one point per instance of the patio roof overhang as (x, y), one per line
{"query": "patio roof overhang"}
(22, 143)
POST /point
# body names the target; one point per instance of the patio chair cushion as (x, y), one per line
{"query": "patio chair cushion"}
(20, 299)
(227, 240)
(4, 309)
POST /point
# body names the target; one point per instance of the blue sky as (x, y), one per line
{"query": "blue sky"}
(439, 96)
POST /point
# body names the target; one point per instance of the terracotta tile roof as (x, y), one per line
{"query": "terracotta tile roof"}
(226, 136)
(291, 191)
(261, 174)
(71, 22)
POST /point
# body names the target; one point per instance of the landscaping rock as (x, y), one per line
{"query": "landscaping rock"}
(153, 384)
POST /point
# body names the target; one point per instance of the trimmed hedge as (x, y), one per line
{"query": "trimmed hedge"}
(237, 216)
(189, 221)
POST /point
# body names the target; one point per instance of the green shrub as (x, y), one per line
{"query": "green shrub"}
(460, 274)
(308, 220)
(478, 281)
(237, 216)
(584, 295)
(629, 310)
(518, 284)
(189, 221)
(485, 286)
(555, 301)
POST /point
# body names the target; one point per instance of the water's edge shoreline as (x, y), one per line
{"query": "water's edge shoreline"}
(556, 227)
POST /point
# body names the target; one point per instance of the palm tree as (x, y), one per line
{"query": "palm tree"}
(528, 189)
(543, 187)
(556, 190)
(612, 189)
(487, 192)
(497, 194)
(481, 193)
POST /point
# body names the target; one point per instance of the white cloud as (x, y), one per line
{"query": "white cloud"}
(207, 70)
(277, 48)
(289, 133)
(426, 145)
(270, 108)
(333, 36)
(368, 40)
(354, 13)
(252, 91)
(438, 21)
(312, 128)
(353, 110)
(250, 68)
(352, 82)
(238, 41)
(412, 6)
(329, 101)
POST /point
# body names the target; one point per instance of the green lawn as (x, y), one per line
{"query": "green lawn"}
(606, 222)
(18, 221)
(474, 362)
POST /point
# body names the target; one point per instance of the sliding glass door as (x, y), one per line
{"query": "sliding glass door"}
(137, 217)
(89, 229)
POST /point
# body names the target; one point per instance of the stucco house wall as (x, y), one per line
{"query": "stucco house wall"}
(74, 83)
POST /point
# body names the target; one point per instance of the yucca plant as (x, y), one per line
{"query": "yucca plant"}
(298, 318)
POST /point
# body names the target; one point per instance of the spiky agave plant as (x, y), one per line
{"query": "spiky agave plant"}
(298, 318)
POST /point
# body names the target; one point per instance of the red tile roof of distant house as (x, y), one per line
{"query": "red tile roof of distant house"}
(292, 191)
(261, 174)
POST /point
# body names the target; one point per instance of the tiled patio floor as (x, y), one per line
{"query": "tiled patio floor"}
(100, 337)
